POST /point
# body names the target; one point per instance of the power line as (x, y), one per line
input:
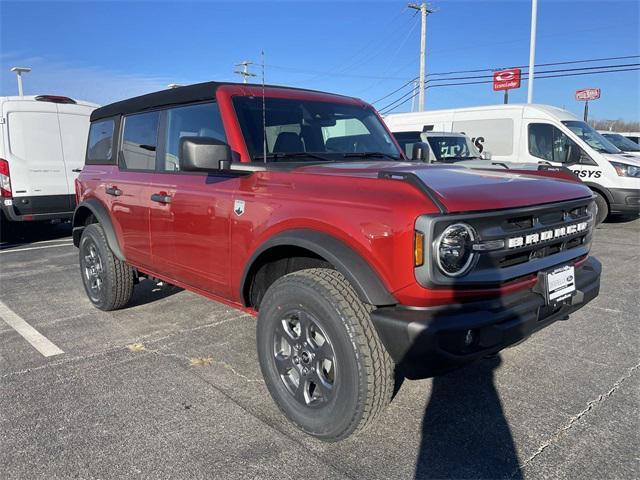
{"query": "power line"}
(394, 105)
(546, 71)
(493, 69)
(395, 91)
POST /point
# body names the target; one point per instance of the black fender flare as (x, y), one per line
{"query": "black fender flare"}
(347, 261)
(101, 214)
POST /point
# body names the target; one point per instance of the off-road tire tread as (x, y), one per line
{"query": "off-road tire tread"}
(379, 368)
(122, 275)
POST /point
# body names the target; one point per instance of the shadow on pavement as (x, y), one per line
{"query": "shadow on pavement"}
(464, 431)
(148, 291)
(13, 234)
(621, 218)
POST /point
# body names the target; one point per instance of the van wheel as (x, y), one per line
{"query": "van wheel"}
(107, 280)
(320, 356)
(603, 208)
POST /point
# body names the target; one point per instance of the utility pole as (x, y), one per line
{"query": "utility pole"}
(245, 70)
(19, 71)
(424, 11)
(532, 49)
(413, 98)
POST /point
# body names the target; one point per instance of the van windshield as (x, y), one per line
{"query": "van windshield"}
(623, 143)
(298, 130)
(593, 138)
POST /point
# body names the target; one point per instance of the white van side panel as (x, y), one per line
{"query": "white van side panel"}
(34, 150)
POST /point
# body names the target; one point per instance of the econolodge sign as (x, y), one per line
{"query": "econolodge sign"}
(506, 79)
(588, 94)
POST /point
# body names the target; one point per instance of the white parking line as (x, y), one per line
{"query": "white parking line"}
(41, 343)
(11, 250)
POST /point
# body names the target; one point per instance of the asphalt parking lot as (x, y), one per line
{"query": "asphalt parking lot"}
(170, 388)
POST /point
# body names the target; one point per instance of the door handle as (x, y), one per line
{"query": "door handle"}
(113, 191)
(161, 198)
(76, 170)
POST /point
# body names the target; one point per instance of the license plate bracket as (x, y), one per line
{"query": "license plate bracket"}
(558, 285)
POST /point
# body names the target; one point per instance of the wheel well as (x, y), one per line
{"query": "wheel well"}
(83, 217)
(275, 263)
(603, 195)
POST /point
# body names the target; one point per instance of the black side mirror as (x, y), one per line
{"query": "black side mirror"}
(420, 152)
(203, 153)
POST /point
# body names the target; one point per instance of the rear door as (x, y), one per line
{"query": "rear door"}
(34, 153)
(128, 190)
(190, 218)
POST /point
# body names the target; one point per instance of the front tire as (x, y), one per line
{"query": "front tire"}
(107, 280)
(603, 208)
(321, 358)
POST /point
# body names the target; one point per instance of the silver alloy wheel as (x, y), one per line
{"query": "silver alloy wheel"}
(304, 359)
(92, 268)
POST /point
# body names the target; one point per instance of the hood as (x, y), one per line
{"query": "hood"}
(630, 158)
(461, 189)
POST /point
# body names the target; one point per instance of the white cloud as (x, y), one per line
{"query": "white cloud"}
(85, 82)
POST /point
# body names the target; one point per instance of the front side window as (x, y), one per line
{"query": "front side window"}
(591, 137)
(100, 145)
(406, 140)
(306, 130)
(139, 141)
(202, 120)
(549, 143)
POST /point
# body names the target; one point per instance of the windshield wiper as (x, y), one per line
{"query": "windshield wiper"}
(370, 155)
(279, 155)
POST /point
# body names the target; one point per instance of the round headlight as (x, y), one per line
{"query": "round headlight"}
(454, 249)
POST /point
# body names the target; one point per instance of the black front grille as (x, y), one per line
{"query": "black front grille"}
(532, 225)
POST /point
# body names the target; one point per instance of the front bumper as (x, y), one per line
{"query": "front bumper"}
(431, 341)
(625, 200)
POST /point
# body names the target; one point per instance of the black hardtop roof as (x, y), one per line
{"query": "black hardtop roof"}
(198, 92)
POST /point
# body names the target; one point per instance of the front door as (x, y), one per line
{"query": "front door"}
(190, 212)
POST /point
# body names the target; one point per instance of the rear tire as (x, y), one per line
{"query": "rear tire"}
(107, 280)
(320, 355)
(603, 208)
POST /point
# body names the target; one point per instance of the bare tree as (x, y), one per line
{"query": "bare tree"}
(615, 125)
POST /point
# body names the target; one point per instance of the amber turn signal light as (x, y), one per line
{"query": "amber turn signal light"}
(418, 248)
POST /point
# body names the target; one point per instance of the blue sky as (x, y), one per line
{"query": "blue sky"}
(105, 51)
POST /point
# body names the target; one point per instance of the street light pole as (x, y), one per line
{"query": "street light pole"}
(532, 49)
(19, 71)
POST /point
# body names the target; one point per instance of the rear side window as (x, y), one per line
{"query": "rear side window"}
(100, 146)
(202, 120)
(139, 141)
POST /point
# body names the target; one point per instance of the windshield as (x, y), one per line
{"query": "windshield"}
(621, 142)
(593, 138)
(312, 131)
(452, 148)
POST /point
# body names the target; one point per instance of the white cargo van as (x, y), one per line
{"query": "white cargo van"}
(539, 133)
(42, 148)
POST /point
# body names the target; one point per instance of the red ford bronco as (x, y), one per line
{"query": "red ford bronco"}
(299, 207)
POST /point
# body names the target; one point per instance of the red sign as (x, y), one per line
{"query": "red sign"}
(588, 94)
(506, 79)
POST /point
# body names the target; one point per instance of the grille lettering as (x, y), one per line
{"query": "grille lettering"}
(534, 238)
